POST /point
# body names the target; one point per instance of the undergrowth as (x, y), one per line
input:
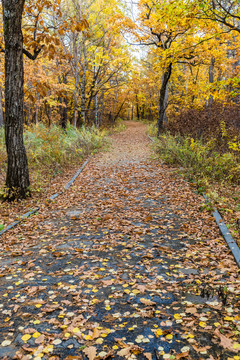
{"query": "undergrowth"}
(214, 172)
(52, 149)
(199, 159)
(118, 126)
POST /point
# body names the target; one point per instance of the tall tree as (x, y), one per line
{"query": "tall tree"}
(165, 25)
(17, 181)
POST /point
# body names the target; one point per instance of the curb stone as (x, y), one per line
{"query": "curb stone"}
(226, 234)
(53, 197)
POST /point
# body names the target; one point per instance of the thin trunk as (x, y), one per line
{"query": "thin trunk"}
(96, 110)
(211, 80)
(17, 181)
(138, 112)
(28, 114)
(75, 103)
(115, 100)
(162, 97)
(101, 101)
(83, 87)
(37, 108)
(63, 101)
(120, 109)
(76, 79)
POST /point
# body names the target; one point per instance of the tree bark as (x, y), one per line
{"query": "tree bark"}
(211, 80)
(64, 103)
(83, 85)
(162, 98)
(1, 110)
(137, 106)
(17, 181)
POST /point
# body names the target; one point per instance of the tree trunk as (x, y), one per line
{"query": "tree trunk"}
(37, 108)
(211, 80)
(64, 103)
(83, 86)
(137, 106)
(162, 97)
(17, 181)
(1, 110)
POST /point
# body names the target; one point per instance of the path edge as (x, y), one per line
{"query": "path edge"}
(51, 198)
(233, 246)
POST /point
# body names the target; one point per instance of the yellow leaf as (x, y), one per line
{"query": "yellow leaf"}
(36, 335)
(228, 318)
(158, 332)
(202, 324)
(135, 291)
(26, 337)
(177, 316)
(47, 349)
(88, 337)
(99, 341)
(76, 330)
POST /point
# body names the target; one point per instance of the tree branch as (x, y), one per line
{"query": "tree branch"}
(35, 54)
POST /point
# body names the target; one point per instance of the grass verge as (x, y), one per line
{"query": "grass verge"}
(217, 174)
(54, 156)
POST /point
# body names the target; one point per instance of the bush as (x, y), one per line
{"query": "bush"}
(47, 146)
(201, 160)
(51, 148)
(152, 129)
(221, 121)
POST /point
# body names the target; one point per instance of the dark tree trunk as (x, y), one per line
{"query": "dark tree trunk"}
(162, 97)
(64, 102)
(137, 106)
(211, 80)
(64, 115)
(17, 181)
(1, 111)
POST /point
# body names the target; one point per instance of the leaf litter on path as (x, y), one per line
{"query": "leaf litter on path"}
(124, 265)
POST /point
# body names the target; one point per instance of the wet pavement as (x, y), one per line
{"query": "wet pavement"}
(117, 273)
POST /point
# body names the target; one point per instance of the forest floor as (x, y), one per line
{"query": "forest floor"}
(124, 265)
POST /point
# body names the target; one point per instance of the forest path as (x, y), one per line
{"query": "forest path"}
(122, 265)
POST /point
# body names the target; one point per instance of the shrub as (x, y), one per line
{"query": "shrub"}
(220, 122)
(201, 160)
(52, 148)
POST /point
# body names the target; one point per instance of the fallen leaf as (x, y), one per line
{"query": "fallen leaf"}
(148, 356)
(182, 355)
(147, 302)
(91, 352)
